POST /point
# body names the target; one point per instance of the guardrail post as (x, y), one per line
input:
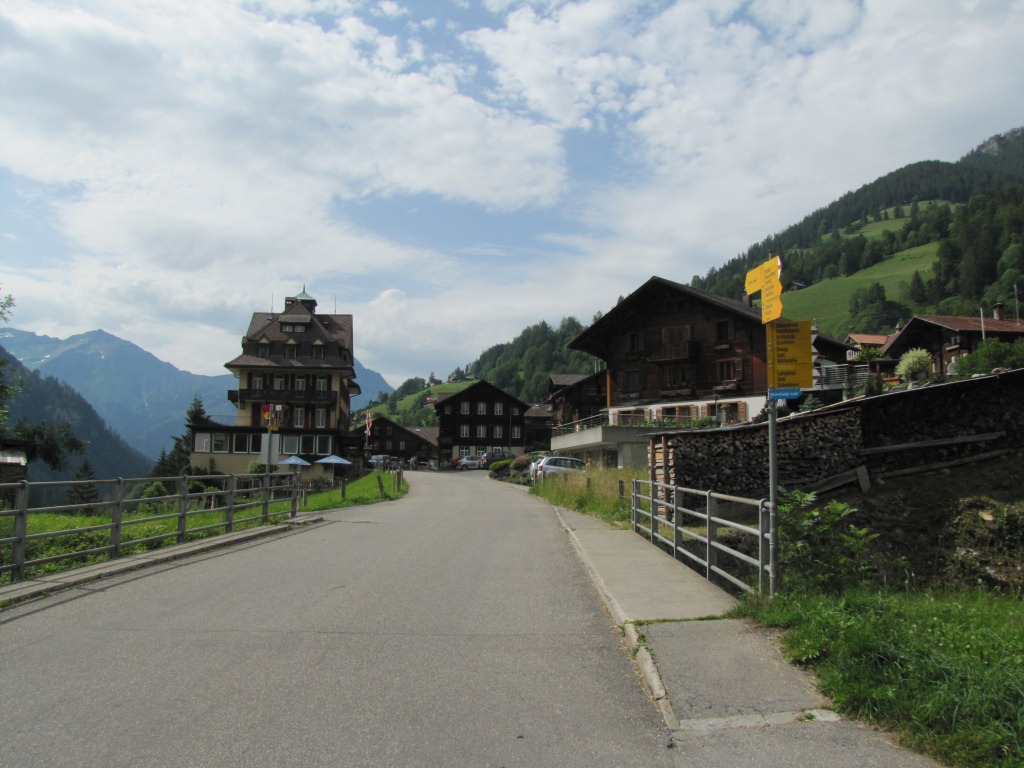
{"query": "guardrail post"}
(182, 508)
(266, 498)
(633, 503)
(712, 511)
(655, 501)
(116, 519)
(677, 522)
(20, 532)
(229, 513)
(773, 549)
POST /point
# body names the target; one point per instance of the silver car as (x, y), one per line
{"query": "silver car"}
(556, 465)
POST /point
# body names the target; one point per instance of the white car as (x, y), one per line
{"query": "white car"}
(555, 465)
(468, 462)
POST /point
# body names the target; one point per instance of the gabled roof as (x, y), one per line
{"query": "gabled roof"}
(867, 339)
(634, 305)
(472, 390)
(975, 325)
(561, 380)
(332, 331)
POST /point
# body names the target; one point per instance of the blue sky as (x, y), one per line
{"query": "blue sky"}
(448, 172)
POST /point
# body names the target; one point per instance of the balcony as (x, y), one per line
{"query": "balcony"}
(237, 396)
(677, 350)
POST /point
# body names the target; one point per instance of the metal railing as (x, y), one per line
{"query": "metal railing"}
(131, 514)
(663, 508)
(617, 420)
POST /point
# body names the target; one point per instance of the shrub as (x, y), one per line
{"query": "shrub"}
(818, 547)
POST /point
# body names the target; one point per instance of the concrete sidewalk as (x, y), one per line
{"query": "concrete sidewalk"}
(724, 689)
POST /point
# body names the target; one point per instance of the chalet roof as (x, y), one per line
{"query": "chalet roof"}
(334, 332)
(634, 305)
(561, 380)
(921, 323)
(480, 384)
(867, 339)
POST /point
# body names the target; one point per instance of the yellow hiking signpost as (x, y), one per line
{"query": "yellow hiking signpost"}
(789, 370)
(790, 360)
(765, 279)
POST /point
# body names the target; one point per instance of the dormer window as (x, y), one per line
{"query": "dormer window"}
(291, 351)
(318, 352)
(263, 350)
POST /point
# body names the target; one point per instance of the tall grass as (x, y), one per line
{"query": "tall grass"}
(945, 671)
(594, 492)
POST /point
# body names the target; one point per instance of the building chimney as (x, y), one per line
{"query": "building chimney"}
(997, 311)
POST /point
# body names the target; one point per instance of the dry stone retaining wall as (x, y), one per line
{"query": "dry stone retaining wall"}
(938, 425)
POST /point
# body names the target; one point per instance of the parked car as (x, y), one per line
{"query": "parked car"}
(547, 466)
(492, 456)
(468, 462)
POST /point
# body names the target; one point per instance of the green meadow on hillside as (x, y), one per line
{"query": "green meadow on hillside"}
(828, 302)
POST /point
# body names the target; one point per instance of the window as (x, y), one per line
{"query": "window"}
(299, 416)
(257, 381)
(481, 409)
(321, 383)
(202, 442)
(722, 331)
(499, 408)
(240, 443)
(515, 410)
(278, 382)
(318, 352)
(726, 370)
(286, 327)
(464, 408)
(289, 444)
(307, 444)
(300, 383)
(299, 328)
(323, 445)
(497, 432)
(632, 381)
(220, 442)
(447, 410)
(263, 350)
(481, 430)
(255, 442)
(633, 342)
(515, 432)
(291, 351)
(463, 430)
(321, 418)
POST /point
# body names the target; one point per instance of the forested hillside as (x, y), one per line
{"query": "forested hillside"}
(45, 400)
(522, 366)
(810, 247)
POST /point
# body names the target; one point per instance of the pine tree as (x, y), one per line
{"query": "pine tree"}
(87, 493)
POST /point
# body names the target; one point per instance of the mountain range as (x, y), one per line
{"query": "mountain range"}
(141, 398)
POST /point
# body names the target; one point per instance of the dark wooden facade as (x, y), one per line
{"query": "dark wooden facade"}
(668, 342)
(480, 418)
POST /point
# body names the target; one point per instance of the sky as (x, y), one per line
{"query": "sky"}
(449, 172)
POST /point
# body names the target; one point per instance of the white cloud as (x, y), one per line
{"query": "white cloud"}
(192, 161)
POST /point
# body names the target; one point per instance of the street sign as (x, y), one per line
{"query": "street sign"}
(790, 358)
(784, 393)
(765, 278)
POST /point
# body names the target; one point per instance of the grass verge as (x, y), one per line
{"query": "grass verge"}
(595, 492)
(944, 671)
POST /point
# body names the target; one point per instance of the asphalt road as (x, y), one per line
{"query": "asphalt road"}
(455, 627)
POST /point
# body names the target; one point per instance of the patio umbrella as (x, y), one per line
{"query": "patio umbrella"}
(296, 461)
(332, 459)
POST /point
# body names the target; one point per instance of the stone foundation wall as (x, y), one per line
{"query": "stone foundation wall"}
(944, 424)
